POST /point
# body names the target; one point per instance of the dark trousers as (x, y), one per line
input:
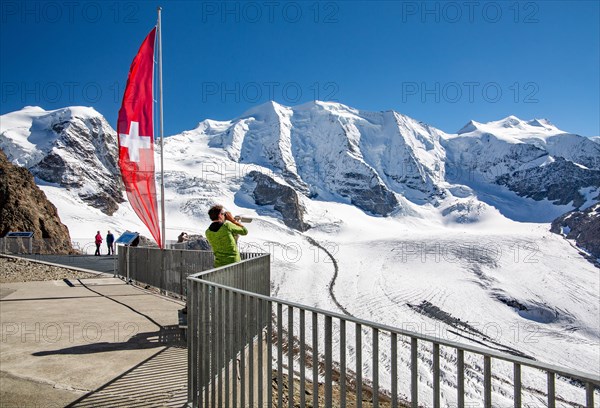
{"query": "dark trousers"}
(97, 249)
(111, 249)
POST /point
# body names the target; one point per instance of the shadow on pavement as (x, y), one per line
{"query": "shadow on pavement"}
(158, 381)
(170, 336)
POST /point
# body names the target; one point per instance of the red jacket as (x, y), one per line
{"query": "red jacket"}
(98, 239)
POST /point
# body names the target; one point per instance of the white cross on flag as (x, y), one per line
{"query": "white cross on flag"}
(136, 138)
(134, 142)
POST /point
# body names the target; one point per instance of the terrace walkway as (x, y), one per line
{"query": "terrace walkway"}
(97, 343)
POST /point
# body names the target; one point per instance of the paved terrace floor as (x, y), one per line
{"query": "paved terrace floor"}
(95, 343)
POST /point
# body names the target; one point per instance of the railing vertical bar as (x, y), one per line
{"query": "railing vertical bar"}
(436, 375)
(227, 318)
(315, 358)
(279, 355)
(261, 369)
(269, 317)
(302, 339)
(414, 389)
(589, 395)
(328, 361)
(205, 328)
(218, 376)
(487, 381)
(342, 363)
(551, 390)
(290, 356)
(517, 385)
(242, 348)
(375, 368)
(394, 369)
(193, 339)
(213, 349)
(460, 377)
(358, 335)
(235, 338)
(250, 343)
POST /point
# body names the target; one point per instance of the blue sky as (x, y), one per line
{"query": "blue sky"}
(443, 63)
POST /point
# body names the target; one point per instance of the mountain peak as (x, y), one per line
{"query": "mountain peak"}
(543, 123)
(264, 110)
(469, 127)
(509, 122)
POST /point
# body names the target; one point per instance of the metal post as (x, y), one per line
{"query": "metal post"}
(315, 358)
(342, 363)
(358, 334)
(302, 358)
(290, 356)
(589, 394)
(162, 136)
(328, 361)
(127, 261)
(551, 390)
(394, 373)
(279, 355)
(487, 381)
(460, 374)
(375, 397)
(436, 375)
(517, 385)
(414, 390)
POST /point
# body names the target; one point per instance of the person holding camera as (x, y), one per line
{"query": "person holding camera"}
(222, 235)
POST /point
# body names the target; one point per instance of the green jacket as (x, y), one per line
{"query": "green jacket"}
(222, 240)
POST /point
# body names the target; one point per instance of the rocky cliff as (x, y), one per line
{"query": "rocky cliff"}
(584, 228)
(24, 207)
(284, 199)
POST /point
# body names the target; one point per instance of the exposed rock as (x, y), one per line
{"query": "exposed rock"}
(284, 199)
(583, 227)
(146, 242)
(368, 193)
(465, 212)
(24, 207)
(559, 182)
(197, 243)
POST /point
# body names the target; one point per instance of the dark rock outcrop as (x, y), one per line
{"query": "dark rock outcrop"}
(368, 193)
(583, 227)
(284, 199)
(196, 242)
(24, 207)
(559, 182)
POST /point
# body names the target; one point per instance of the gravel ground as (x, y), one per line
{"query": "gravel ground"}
(20, 270)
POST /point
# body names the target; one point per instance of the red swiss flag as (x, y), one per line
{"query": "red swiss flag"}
(136, 138)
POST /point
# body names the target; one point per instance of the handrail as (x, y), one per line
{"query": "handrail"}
(465, 347)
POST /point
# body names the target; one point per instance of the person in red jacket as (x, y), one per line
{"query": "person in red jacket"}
(98, 243)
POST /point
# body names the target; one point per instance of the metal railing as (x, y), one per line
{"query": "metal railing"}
(318, 354)
(165, 269)
(246, 348)
(227, 334)
(21, 246)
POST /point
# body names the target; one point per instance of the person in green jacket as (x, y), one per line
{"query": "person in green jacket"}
(222, 236)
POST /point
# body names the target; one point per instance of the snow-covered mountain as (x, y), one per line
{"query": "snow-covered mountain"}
(73, 147)
(418, 220)
(381, 162)
(332, 152)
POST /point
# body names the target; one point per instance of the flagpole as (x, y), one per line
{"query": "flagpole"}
(160, 104)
